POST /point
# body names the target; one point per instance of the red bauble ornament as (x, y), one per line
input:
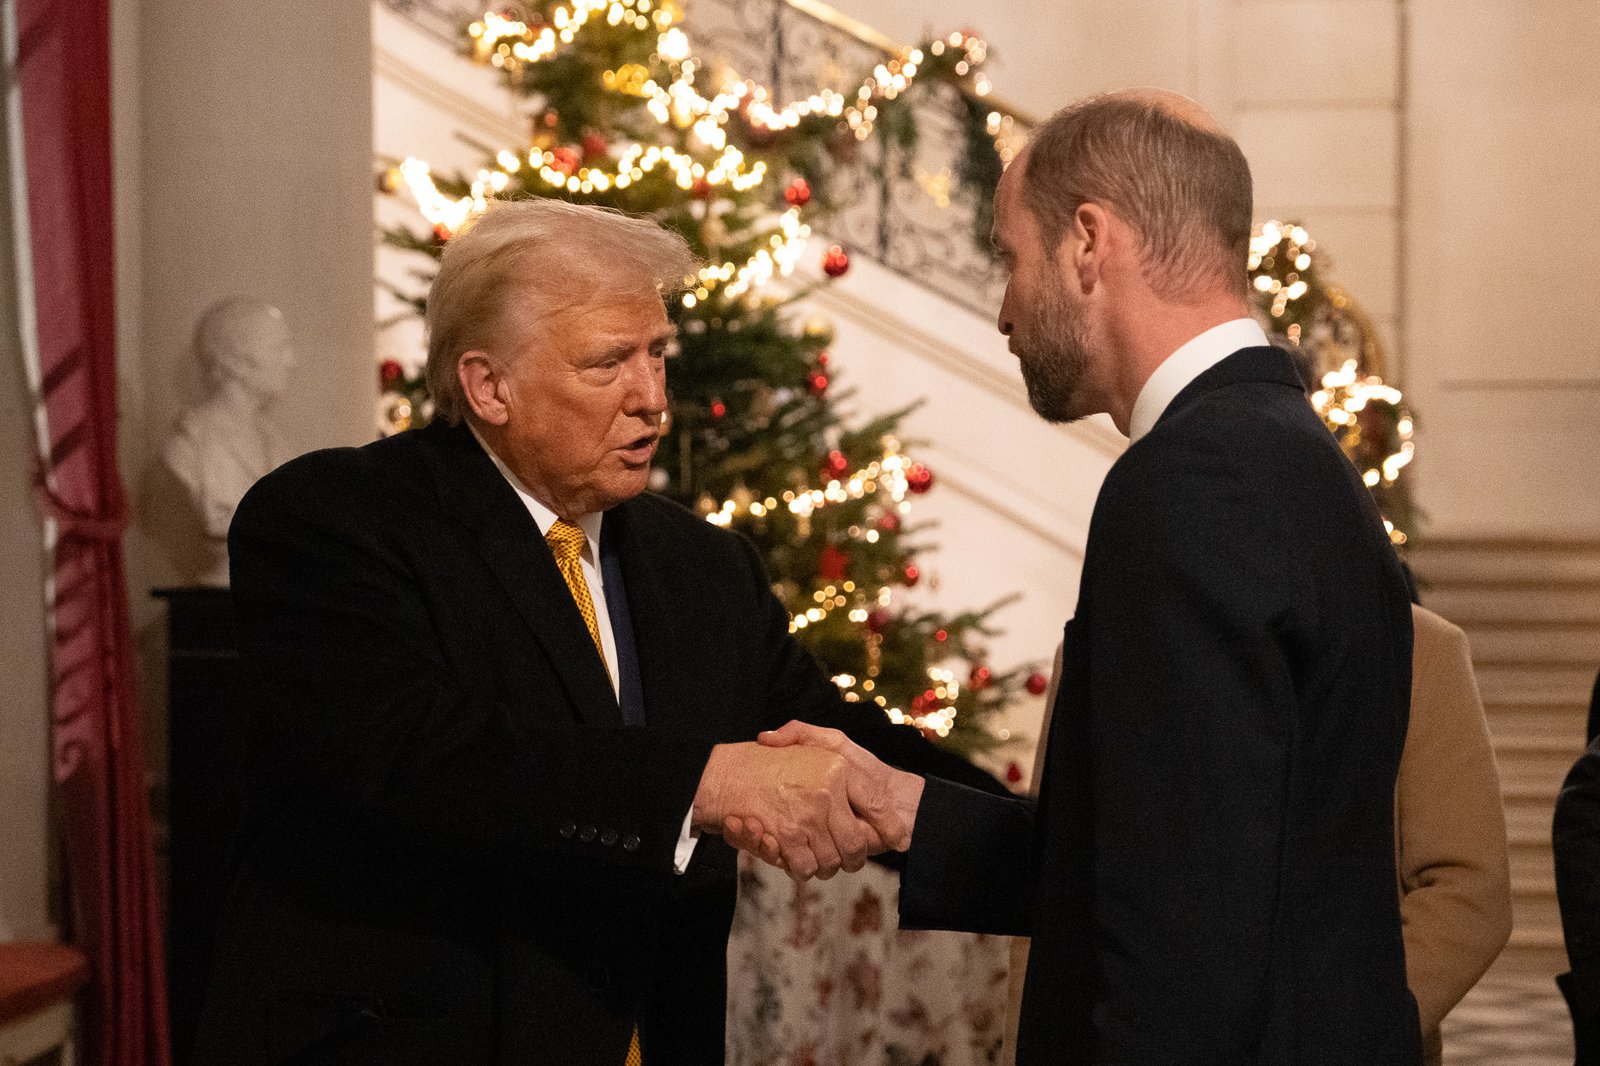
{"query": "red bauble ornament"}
(390, 371)
(823, 359)
(817, 382)
(919, 702)
(889, 523)
(718, 408)
(1037, 683)
(919, 479)
(441, 233)
(912, 576)
(701, 189)
(980, 677)
(942, 635)
(1013, 774)
(565, 159)
(594, 145)
(836, 261)
(798, 193)
(836, 465)
(833, 564)
(878, 620)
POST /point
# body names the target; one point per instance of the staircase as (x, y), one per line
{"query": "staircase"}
(1531, 610)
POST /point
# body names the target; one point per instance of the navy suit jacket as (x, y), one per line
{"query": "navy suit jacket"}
(1208, 874)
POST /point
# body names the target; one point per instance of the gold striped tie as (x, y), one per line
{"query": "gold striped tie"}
(566, 542)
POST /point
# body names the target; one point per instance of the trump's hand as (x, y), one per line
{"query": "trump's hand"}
(886, 798)
(787, 804)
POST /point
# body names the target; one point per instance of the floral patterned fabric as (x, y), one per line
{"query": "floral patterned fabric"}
(819, 975)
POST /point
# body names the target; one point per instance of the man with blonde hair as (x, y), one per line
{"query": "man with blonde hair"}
(1209, 873)
(500, 691)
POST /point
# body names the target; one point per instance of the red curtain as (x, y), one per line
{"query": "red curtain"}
(64, 74)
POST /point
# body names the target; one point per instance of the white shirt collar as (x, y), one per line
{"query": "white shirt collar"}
(589, 523)
(1187, 363)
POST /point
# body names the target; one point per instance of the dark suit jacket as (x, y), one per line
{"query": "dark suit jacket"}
(1576, 843)
(459, 853)
(1209, 873)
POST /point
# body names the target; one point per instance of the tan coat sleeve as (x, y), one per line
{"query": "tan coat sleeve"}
(1455, 883)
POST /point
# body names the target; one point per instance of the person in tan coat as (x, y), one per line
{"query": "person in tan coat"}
(1450, 835)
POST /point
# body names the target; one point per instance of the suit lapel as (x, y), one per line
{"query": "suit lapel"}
(506, 536)
(672, 658)
(622, 631)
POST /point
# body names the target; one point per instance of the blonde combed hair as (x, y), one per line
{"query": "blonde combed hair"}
(521, 260)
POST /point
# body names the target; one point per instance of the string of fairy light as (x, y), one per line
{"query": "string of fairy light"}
(510, 43)
(889, 478)
(1345, 392)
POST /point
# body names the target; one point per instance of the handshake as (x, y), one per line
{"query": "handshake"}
(807, 800)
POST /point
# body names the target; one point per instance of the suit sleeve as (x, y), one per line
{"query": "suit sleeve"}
(352, 697)
(1576, 837)
(972, 863)
(1456, 885)
(1192, 614)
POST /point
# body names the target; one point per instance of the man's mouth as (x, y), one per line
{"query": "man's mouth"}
(640, 449)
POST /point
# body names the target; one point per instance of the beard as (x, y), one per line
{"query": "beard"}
(1052, 348)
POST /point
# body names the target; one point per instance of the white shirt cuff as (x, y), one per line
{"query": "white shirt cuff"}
(686, 842)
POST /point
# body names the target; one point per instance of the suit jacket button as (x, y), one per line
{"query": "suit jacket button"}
(586, 834)
(567, 829)
(609, 837)
(630, 842)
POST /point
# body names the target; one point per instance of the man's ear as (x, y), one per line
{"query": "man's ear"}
(483, 386)
(1091, 226)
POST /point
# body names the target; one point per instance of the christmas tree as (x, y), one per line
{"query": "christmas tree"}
(623, 114)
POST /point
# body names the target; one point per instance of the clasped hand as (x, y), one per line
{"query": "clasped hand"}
(806, 799)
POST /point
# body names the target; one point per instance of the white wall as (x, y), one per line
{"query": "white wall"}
(24, 706)
(1503, 144)
(253, 178)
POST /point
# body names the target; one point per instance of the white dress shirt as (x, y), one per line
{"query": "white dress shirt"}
(1187, 363)
(592, 576)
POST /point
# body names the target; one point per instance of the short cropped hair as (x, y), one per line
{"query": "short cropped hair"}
(521, 260)
(1186, 190)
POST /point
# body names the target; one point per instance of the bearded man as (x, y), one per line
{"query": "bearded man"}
(1208, 875)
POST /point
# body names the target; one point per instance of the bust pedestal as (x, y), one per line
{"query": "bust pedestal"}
(207, 730)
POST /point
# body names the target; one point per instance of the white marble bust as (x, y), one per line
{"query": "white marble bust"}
(221, 445)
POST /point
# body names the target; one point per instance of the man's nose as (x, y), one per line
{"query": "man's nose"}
(647, 389)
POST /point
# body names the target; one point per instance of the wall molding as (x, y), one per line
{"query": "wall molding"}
(489, 125)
